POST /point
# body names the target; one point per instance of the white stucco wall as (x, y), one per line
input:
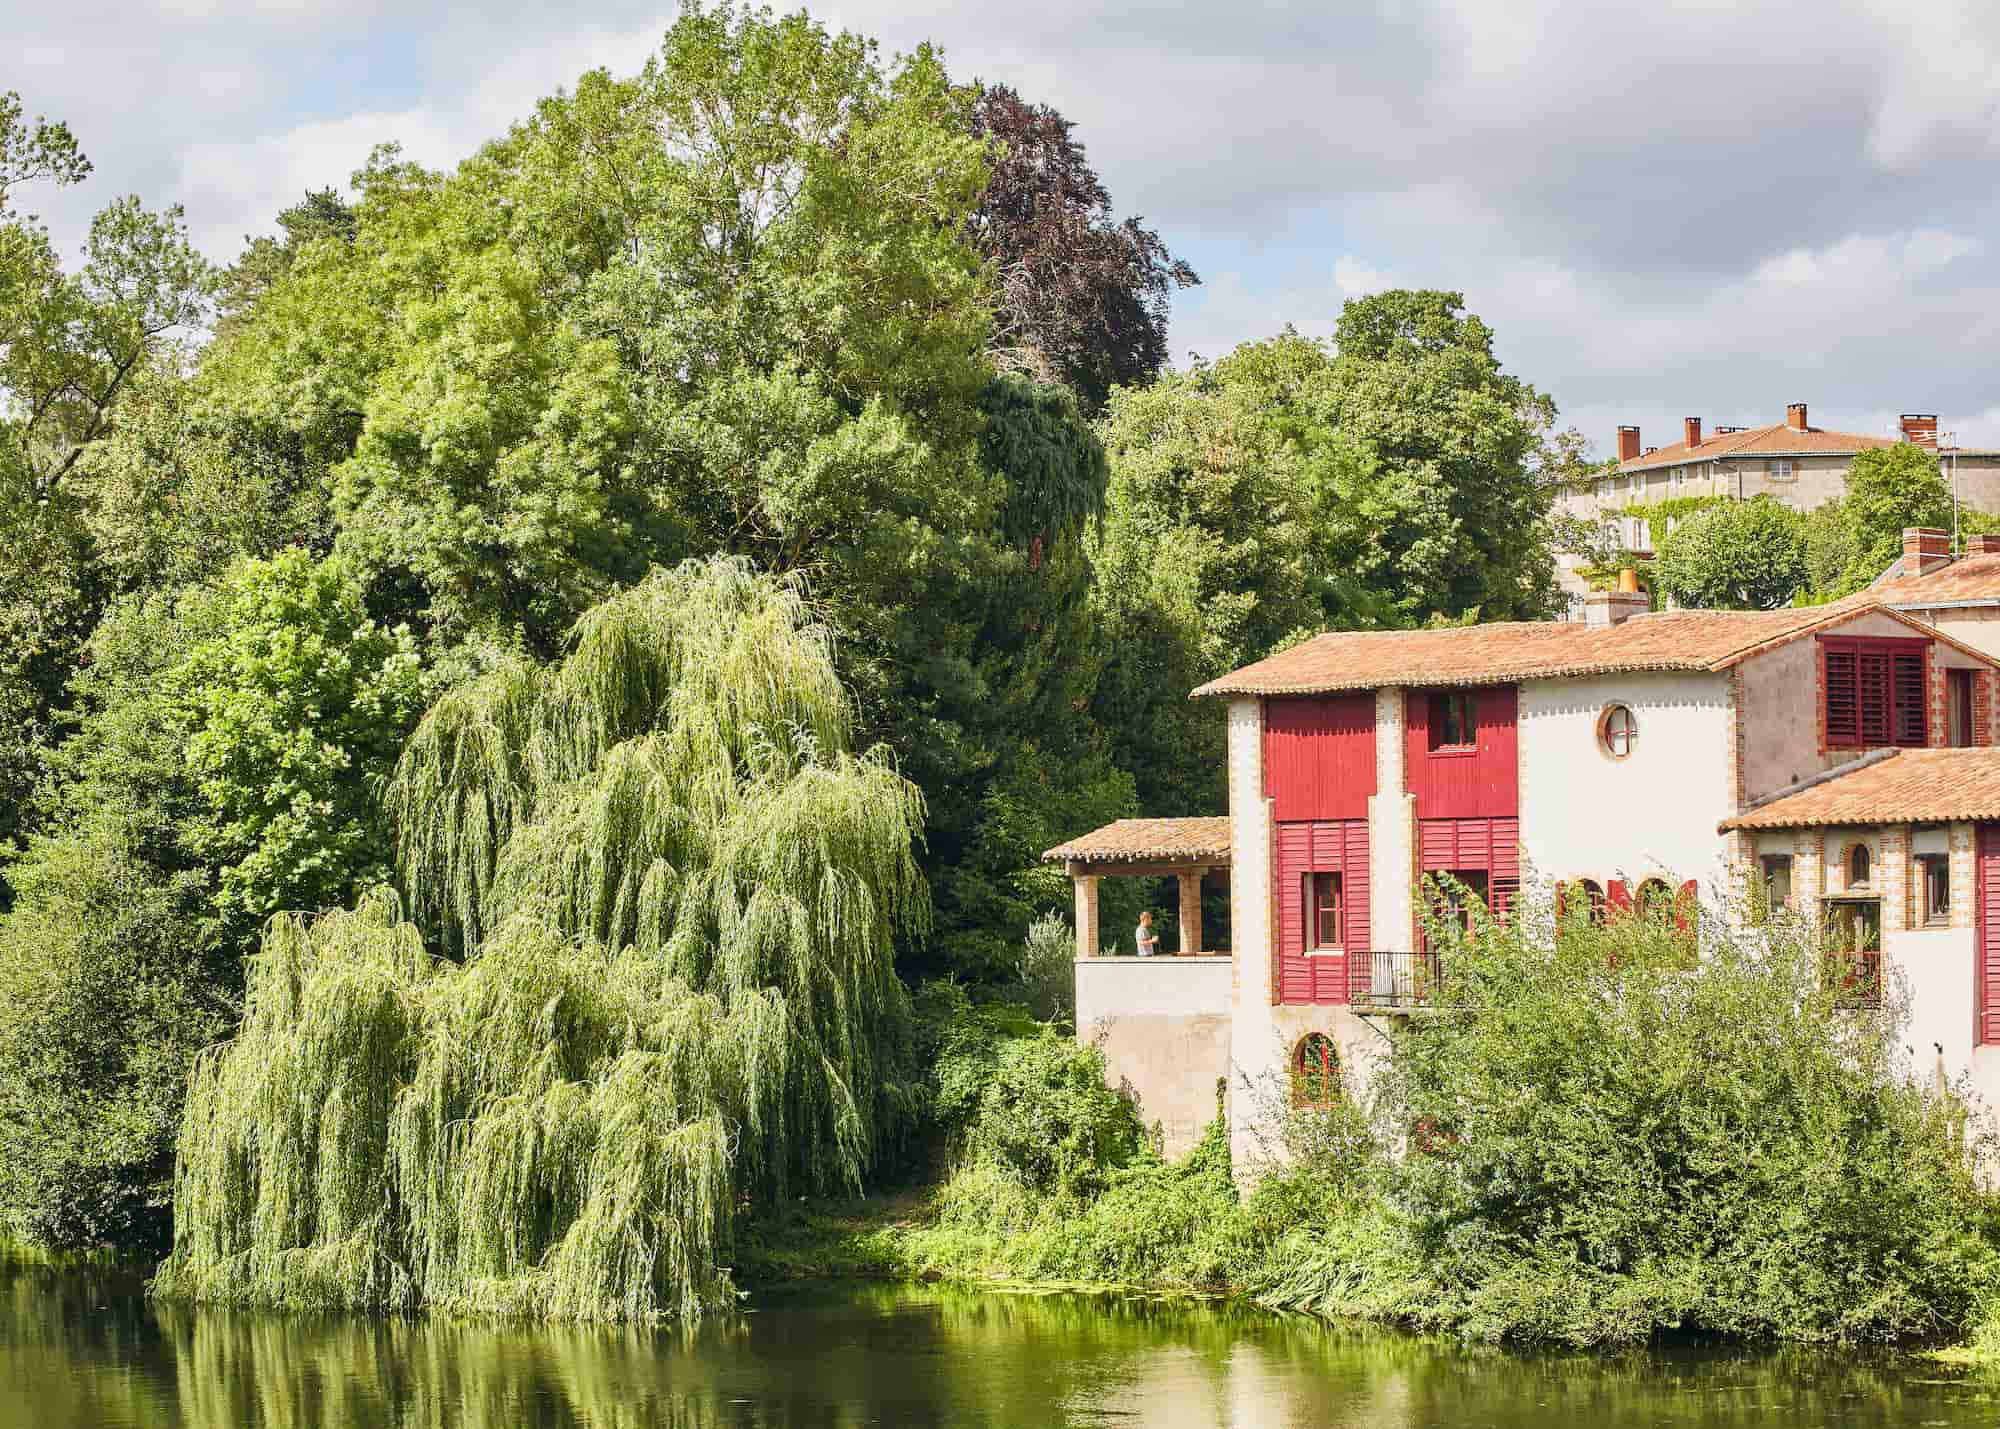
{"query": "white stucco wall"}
(1163, 1027)
(1587, 815)
(1936, 966)
(1253, 1032)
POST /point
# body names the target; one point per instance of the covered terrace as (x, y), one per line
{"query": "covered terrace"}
(1186, 850)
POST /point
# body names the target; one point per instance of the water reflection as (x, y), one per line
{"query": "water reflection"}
(82, 1347)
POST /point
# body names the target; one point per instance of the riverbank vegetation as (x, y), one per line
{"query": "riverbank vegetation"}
(1594, 1140)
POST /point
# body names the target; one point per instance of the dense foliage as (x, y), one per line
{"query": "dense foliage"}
(1735, 555)
(1601, 1140)
(676, 887)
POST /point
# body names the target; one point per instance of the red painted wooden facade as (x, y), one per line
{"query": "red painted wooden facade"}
(1482, 781)
(1319, 756)
(1303, 848)
(1986, 961)
(1489, 846)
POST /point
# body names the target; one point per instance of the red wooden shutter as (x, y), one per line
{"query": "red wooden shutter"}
(1875, 725)
(1618, 895)
(1843, 698)
(1908, 678)
(1684, 907)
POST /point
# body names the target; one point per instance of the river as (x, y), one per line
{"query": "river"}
(83, 1347)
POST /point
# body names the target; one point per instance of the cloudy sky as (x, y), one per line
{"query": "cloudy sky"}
(1664, 210)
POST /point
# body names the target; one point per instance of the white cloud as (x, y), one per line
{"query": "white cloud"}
(1688, 206)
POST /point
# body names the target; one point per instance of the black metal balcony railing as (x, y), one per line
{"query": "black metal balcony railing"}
(1856, 978)
(1392, 979)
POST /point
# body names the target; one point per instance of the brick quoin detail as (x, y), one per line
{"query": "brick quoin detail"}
(1737, 798)
(1936, 727)
(1982, 707)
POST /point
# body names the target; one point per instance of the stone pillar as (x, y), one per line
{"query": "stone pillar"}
(1964, 888)
(1809, 872)
(1191, 912)
(1086, 911)
(1392, 834)
(1255, 1055)
(1894, 879)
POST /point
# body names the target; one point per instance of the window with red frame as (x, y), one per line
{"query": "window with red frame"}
(1875, 692)
(1454, 721)
(1326, 924)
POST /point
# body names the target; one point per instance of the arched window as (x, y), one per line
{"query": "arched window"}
(1594, 896)
(1857, 866)
(1655, 899)
(1315, 1071)
(1617, 731)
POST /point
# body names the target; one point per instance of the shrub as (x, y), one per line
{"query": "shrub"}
(1047, 969)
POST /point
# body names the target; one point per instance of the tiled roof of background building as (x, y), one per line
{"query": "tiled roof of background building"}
(1532, 650)
(1908, 787)
(1975, 577)
(1137, 840)
(1778, 439)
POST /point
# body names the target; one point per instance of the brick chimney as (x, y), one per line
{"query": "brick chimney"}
(1628, 443)
(1795, 416)
(1982, 545)
(1925, 548)
(1691, 431)
(1920, 428)
(1604, 608)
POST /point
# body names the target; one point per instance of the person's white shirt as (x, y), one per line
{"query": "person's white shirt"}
(1144, 940)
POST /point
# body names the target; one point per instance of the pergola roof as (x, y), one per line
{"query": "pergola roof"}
(1204, 840)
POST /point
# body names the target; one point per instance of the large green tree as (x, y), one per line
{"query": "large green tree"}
(730, 305)
(227, 746)
(1735, 555)
(73, 343)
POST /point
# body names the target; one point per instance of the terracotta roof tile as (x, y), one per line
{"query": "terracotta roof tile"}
(1972, 578)
(1910, 786)
(1774, 440)
(1537, 650)
(1136, 840)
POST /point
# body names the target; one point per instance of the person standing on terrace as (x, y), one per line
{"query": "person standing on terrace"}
(1147, 942)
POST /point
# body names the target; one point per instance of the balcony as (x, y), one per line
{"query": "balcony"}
(1392, 979)
(1856, 978)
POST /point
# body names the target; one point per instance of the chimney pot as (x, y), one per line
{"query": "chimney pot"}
(1628, 443)
(1920, 428)
(1605, 608)
(1925, 548)
(1795, 416)
(1691, 430)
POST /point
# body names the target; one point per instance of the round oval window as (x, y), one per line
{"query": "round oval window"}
(1617, 731)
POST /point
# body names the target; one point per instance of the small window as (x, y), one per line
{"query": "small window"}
(1781, 469)
(1858, 866)
(1453, 720)
(1617, 731)
(1326, 912)
(1958, 708)
(1936, 883)
(1315, 1071)
(1594, 901)
(1854, 950)
(1777, 880)
(1457, 890)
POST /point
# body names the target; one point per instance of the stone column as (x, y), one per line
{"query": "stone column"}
(1086, 911)
(1894, 879)
(1255, 1055)
(1964, 891)
(1191, 912)
(1392, 835)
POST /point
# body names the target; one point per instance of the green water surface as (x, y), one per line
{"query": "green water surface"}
(84, 1347)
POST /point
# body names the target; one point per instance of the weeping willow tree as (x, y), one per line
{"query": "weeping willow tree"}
(667, 891)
